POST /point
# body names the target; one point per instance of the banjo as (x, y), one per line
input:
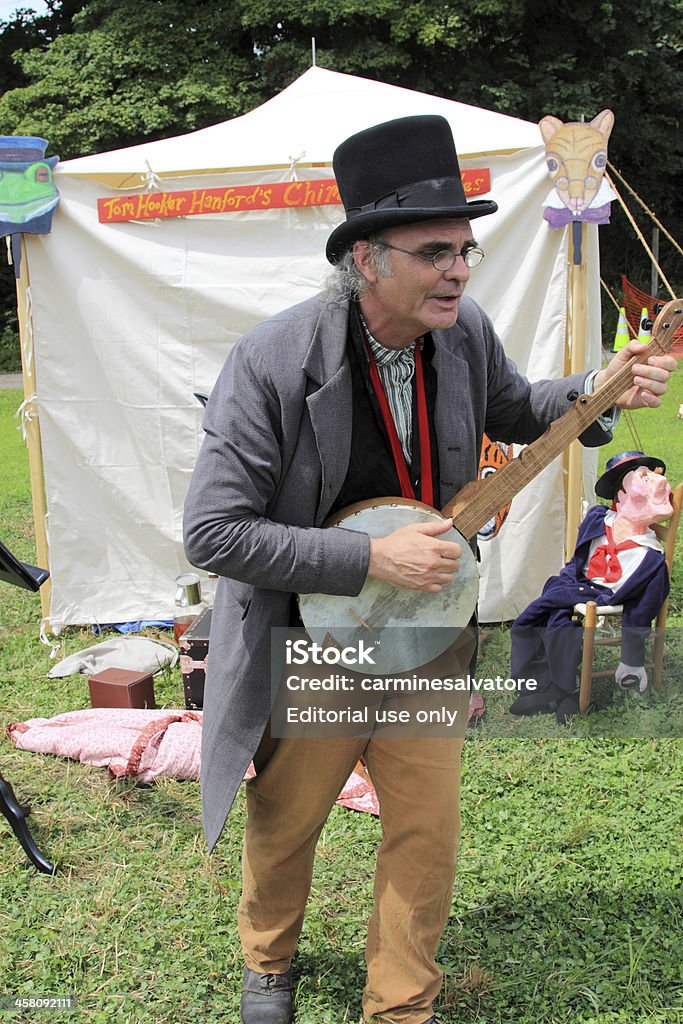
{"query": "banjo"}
(408, 628)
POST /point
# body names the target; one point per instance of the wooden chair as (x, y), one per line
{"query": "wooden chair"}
(594, 616)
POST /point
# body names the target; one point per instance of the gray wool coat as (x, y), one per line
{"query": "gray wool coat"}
(274, 457)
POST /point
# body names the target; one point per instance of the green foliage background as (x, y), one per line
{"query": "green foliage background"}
(101, 75)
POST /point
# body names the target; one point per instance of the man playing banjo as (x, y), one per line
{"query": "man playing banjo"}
(382, 387)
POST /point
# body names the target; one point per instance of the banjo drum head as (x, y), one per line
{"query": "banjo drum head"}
(407, 628)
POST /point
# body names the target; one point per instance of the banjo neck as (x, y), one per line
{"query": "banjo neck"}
(478, 501)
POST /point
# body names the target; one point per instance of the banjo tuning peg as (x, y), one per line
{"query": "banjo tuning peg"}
(657, 308)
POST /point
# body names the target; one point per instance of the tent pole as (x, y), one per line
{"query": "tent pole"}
(577, 364)
(32, 425)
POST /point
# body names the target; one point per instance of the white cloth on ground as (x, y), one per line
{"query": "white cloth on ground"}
(139, 653)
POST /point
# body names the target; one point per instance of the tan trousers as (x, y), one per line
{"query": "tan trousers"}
(417, 785)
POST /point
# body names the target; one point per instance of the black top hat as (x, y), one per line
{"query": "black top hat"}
(399, 172)
(609, 484)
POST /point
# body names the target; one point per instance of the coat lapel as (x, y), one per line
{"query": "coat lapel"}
(330, 403)
(454, 427)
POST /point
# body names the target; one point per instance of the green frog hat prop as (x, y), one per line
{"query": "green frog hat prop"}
(28, 195)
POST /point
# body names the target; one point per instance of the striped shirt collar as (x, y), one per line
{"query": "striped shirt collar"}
(386, 356)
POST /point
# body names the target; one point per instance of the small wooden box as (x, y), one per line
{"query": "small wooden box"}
(121, 688)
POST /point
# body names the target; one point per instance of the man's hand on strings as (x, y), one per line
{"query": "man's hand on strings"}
(414, 557)
(649, 378)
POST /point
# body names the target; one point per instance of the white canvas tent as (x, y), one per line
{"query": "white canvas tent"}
(121, 323)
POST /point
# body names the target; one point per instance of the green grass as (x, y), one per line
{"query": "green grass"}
(567, 905)
(657, 432)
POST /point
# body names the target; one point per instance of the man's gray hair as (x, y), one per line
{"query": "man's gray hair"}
(347, 282)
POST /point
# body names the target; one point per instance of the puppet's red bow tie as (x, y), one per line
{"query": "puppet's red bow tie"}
(604, 563)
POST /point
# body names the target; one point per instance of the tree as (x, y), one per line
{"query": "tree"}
(132, 72)
(26, 30)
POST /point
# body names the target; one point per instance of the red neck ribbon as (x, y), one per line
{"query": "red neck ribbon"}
(426, 489)
(604, 562)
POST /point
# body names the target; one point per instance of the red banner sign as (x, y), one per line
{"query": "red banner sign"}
(278, 196)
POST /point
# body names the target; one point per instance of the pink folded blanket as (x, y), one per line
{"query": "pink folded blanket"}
(142, 745)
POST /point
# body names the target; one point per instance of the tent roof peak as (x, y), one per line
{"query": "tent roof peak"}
(305, 122)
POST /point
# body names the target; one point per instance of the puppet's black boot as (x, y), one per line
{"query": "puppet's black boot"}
(266, 998)
(567, 708)
(538, 701)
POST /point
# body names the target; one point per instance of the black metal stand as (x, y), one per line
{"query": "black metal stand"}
(16, 815)
(29, 577)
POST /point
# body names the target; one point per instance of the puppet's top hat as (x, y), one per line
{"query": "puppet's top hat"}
(18, 152)
(399, 172)
(618, 466)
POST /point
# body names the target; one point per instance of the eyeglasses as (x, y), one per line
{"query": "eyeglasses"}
(445, 258)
